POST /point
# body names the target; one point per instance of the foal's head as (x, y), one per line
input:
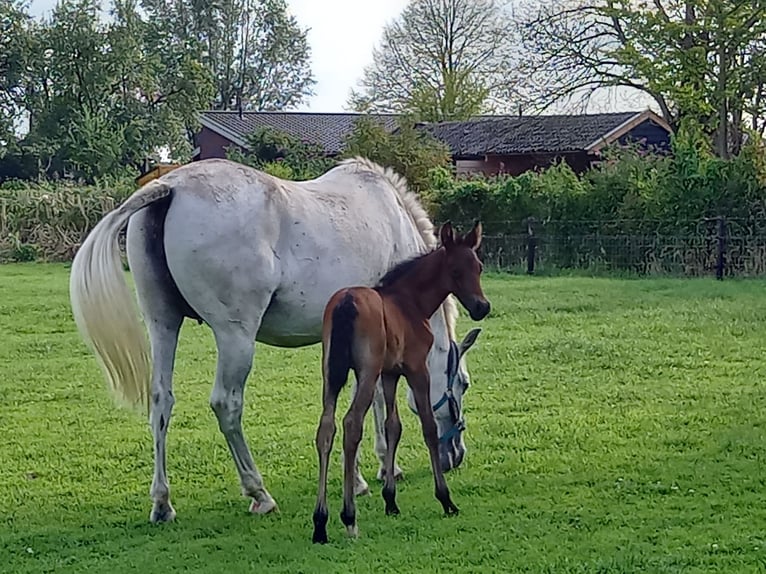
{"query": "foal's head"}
(462, 269)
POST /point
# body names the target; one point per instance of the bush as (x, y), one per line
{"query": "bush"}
(48, 220)
(282, 155)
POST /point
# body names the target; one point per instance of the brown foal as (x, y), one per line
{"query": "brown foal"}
(384, 332)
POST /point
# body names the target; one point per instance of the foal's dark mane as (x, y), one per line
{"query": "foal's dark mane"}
(399, 271)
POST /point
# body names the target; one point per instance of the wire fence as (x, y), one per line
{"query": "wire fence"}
(715, 246)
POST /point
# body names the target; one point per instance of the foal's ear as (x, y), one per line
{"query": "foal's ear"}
(447, 235)
(472, 239)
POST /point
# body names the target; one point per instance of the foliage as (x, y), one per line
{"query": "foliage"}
(635, 188)
(282, 155)
(441, 60)
(48, 220)
(101, 97)
(409, 151)
(255, 50)
(700, 59)
(607, 421)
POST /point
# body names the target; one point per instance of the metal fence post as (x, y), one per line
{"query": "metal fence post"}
(531, 245)
(721, 252)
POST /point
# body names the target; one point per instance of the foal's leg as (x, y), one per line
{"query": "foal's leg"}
(361, 488)
(419, 382)
(324, 440)
(379, 418)
(235, 359)
(393, 434)
(378, 410)
(353, 427)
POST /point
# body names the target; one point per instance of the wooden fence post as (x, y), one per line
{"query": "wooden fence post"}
(721, 251)
(531, 245)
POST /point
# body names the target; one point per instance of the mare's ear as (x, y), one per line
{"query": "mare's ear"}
(468, 341)
(447, 235)
(472, 239)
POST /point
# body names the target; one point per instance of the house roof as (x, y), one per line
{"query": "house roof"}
(531, 134)
(499, 135)
(326, 130)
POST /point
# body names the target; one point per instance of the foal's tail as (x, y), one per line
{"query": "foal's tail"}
(103, 306)
(339, 361)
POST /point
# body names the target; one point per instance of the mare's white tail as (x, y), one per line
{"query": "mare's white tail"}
(103, 305)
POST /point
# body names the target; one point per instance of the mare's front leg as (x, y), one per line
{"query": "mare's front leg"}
(353, 428)
(235, 358)
(419, 382)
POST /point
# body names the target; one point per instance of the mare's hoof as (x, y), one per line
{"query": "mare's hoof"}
(162, 512)
(264, 506)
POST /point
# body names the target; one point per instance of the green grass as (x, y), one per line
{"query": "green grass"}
(613, 426)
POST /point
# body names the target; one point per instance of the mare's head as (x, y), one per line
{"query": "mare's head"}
(462, 269)
(449, 384)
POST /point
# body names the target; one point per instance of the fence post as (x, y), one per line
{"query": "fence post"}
(721, 254)
(531, 244)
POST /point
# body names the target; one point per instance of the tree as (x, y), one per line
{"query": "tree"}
(442, 60)
(256, 51)
(101, 97)
(410, 152)
(14, 21)
(699, 60)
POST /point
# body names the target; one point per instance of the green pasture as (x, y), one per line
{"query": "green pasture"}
(613, 426)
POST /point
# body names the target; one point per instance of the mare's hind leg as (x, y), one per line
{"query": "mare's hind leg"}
(236, 345)
(164, 340)
(419, 382)
(162, 307)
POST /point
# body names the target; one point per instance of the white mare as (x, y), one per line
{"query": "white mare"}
(256, 258)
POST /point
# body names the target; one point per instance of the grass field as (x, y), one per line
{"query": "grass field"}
(613, 426)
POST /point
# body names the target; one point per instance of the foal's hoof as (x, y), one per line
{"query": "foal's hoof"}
(451, 510)
(352, 531)
(162, 512)
(319, 537)
(264, 506)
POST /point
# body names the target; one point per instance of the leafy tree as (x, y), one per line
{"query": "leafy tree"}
(442, 60)
(101, 97)
(409, 151)
(703, 59)
(14, 21)
(255, 50)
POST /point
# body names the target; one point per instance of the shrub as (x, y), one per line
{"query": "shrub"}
(48, 220)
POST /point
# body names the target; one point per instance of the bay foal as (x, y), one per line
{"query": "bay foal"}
(384, 332)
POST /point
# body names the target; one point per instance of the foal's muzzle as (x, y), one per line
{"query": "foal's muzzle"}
(479, 309)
